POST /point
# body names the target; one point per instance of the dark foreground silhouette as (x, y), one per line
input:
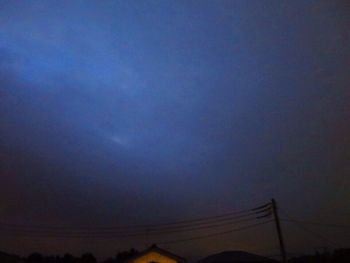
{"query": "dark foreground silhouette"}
(337, 256)
(67, 258)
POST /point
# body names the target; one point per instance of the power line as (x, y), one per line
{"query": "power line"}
(317, 223)
(217, 218)
(88, 235)
(129, 233)
(121, 229)
(315, 234)
(214, 234)
(179, 227)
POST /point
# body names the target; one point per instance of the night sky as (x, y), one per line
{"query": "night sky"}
(136, 112)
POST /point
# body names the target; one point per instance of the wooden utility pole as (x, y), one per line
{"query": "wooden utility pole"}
(279, 231)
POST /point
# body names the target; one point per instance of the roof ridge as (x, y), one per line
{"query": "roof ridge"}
(155, 248)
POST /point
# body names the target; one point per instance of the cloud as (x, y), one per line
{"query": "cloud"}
(120, 140)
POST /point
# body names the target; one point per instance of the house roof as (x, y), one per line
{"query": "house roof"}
(155, 248)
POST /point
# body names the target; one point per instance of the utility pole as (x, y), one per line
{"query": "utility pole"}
(279, 231)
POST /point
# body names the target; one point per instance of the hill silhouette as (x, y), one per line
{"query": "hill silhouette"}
(235, 257)
(8, 258)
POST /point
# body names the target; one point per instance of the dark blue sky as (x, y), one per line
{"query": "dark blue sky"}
(117, 112)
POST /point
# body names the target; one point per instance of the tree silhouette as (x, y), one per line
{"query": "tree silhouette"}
(68, 258)
(122, 256)
(88, 258)
(35, 258)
